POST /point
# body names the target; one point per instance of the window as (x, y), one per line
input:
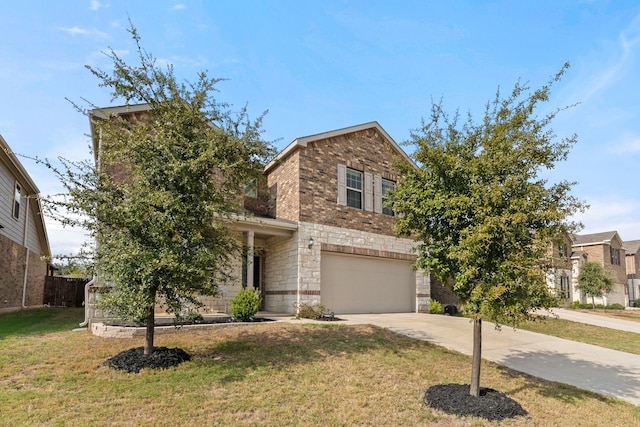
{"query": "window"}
(387, 186)
(615, 256)
(354, 189)
(251, 188)
(564, 286)
(17, 197)
(563, 250)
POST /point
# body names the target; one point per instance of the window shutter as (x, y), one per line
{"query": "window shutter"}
(368, 192)
(342, 185)
(378, 194)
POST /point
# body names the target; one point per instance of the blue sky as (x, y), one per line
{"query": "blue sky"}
(324, 65)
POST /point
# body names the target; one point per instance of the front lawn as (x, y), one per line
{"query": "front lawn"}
(268, 375)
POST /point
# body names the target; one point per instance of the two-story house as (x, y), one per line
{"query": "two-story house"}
(318, 231)
(632, 258)
(560, 272)
(606, 249)
(24, 247)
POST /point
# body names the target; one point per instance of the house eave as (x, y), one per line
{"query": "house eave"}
(304, 141)
(267, 227)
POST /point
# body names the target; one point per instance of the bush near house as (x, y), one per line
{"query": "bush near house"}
(435, 307)
(577, 304)
(245, 305)
(310, 311)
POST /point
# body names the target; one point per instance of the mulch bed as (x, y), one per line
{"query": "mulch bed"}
(455, 399)
(133, 360)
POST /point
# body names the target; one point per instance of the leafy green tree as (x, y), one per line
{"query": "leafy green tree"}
(479, 211)
(166, 183)
(594, 281)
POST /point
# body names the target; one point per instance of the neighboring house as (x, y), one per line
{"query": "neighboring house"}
(24, 247)
(632, 259)
(318, 231)
(606, 249)
(560, 273)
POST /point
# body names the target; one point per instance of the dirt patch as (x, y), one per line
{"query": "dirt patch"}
(133, 360)
(455, 399)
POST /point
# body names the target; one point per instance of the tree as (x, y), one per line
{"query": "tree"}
(161, 229)
(481, 215)
(594, 281)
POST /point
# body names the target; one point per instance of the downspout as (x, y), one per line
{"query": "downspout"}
(86, 301)
(95, 277)
(26, 263)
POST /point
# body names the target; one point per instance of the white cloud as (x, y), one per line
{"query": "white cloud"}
(97, 5)
(74, 31)
(65, 240)
(612, 213)
(629, 143)
(179, 6)
(77, 31)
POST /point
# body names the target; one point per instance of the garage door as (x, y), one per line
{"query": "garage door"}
(356, 284)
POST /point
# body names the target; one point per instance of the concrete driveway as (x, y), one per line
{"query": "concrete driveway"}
(609, 372)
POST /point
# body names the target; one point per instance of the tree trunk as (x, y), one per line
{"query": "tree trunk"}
(148, 338)
(474, 389)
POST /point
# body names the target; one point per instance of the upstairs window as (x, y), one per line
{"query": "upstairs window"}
(251, 188)
(387, 186)
(354, 189)
(563, 250)
(17, 198)
(615, 256)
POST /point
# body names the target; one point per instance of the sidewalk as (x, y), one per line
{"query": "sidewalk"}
(609, 372)
(594, 319)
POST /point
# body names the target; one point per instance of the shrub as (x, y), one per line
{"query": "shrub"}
(589, 306)
(435, 307)
(309, 311)
(637, 304)
(245, 305)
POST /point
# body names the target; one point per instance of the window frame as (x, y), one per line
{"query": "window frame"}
(251, 188)
(351, 190)
(384, 189)
(615, 255)
(17, 200)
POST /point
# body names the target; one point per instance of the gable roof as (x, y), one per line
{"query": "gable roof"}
(595, 238)
(104, 113)
(17, 170)
(303, 141)
(632, 247)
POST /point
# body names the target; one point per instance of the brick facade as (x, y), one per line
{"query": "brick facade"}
(314, 169)
(13, 258)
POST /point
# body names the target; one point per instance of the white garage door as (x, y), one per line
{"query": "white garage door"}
(357, 284)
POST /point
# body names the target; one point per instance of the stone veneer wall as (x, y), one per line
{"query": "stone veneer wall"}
(281, 261)
(293, 269)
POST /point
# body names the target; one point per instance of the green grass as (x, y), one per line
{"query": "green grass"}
(589, 334)
(39, 321)
(264, 375)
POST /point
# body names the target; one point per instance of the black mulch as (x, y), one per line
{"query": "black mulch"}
(455, 399)
(133, 360)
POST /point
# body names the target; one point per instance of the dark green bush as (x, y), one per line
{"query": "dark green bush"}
(245, 305)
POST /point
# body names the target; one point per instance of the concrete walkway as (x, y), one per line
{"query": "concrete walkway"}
(609, 372)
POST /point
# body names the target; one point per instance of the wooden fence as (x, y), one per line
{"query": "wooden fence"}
(64, 291)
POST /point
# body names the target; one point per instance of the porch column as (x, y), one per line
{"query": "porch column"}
(250, 237)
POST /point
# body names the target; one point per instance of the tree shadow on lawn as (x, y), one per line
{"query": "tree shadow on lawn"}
(247, 349)
(571, 380)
